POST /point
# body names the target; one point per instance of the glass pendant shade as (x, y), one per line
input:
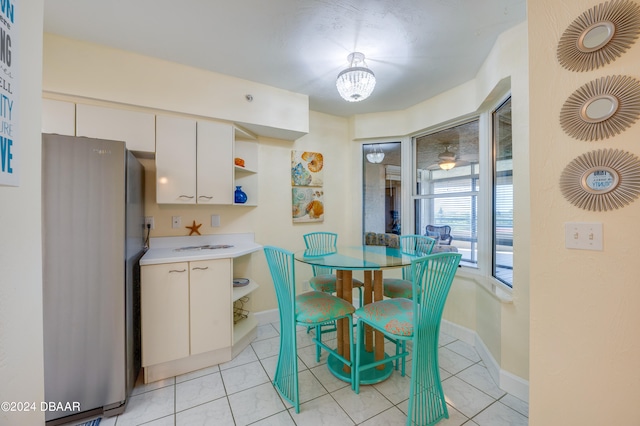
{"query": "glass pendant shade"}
(447, 164)
(357, 82)
(447, 159)
(375, 156)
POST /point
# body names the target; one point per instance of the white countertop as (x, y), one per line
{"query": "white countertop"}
(165, 249)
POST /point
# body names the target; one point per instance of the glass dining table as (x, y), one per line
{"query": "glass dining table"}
(372, 260)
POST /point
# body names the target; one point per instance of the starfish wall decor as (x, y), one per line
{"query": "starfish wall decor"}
(194, 228)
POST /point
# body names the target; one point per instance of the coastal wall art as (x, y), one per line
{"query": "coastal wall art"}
(307, 193)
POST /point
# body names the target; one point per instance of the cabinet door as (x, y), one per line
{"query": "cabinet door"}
(136, 129)
(164, 300)
(214, 166)
(58, 117)
(210, 302)
(175, 160)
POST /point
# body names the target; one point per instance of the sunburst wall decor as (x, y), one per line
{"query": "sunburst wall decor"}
(601, 108)
(599, 35)
(601, 180)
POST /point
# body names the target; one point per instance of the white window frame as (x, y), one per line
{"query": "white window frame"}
(483, 273)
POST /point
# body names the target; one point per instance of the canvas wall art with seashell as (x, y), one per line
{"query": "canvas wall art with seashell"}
(307, 168)
(307, 204)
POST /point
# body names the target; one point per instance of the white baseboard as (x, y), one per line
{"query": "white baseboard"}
(507, 381)
(266, 317)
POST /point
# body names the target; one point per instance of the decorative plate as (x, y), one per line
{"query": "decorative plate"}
(601, 108)
(599, 35)
(602, 180)
(240, 282)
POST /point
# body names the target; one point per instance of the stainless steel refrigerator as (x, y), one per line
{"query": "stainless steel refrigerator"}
(93, 237)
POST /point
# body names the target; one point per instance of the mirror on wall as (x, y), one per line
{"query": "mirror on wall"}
(382, 188)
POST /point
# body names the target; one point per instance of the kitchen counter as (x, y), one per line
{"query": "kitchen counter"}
(187, 249)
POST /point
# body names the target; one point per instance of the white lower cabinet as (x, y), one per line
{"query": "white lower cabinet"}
(209, 295)
(164, 300)
(186, 310)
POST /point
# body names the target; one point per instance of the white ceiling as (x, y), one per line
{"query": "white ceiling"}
(416, 48)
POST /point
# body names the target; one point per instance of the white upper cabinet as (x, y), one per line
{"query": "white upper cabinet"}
(214, 163)
(135, 128)
(58, 117)
(175, 160)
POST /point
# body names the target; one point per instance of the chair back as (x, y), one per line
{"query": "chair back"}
(415, 244)
(320, 240)
(432, 277)
(441, 232)
(281, 266)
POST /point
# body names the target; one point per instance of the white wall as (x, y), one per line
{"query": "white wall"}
(21, 364)
(585, 321)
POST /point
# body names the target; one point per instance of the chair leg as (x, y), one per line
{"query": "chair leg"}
(319, 337)
(404, 358)
(355, 369)
(351, 348)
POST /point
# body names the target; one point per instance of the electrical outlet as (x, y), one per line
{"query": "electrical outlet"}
(583, 235)
(148, 220)
(176, 222)
(215, 220)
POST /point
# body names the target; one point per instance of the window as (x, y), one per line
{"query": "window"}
(382, 204)
(447, 187)
(502, 195)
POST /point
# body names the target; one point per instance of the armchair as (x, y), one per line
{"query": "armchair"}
(441, 233)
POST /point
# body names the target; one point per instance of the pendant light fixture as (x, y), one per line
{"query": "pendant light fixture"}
(447, 159)
(375, 155)
(356, 82)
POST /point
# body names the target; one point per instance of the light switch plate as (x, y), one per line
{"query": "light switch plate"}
(176, 222)
(583, 235)
(215, 220)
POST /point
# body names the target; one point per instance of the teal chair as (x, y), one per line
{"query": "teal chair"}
(403, 287)
(323, 277)
(310, 309)
(417, 321)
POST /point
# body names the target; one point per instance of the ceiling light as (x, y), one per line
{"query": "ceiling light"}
(447, 159)
(356, 82)
(375, 155)
(447, 164)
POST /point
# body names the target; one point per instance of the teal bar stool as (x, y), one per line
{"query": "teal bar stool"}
(417, 321)
(403, 287)
(311, 309)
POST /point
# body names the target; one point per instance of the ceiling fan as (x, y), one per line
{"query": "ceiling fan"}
(447, 160)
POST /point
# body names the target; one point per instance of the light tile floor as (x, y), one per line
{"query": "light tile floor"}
(240, 393)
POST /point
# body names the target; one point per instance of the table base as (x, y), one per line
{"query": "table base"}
(367, 377)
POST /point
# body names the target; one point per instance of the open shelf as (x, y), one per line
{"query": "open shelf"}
(246, 147)
(239, 292)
